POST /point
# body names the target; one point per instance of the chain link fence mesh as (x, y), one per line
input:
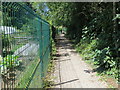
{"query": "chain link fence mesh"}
(24, 47)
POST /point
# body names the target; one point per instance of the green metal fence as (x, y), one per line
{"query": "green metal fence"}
(25, 48)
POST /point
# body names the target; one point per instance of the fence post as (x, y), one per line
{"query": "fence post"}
(0, 41)
(0, 28)
(0, 55)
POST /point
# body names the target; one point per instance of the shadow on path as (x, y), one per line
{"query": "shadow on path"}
(66, 82)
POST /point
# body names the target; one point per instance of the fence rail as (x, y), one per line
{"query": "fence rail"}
(25, 47)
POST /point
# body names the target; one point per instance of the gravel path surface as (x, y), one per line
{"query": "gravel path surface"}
(71, 71)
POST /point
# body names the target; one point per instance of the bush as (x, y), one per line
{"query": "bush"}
(103, 57)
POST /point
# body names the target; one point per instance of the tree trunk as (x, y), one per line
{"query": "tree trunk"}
(116, 38)
(115, 28)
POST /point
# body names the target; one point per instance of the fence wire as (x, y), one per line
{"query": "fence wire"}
(24, 47)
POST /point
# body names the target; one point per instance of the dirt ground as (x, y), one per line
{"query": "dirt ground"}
(71, 71)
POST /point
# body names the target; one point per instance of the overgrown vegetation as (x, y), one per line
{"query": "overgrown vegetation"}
(100, 41)
(48, 79)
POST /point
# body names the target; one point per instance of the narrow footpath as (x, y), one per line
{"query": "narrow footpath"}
(71, 71)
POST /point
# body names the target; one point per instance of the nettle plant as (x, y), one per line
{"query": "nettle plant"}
(8, 63)
(104, 57)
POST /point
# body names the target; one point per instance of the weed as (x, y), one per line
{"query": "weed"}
(48, 80)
